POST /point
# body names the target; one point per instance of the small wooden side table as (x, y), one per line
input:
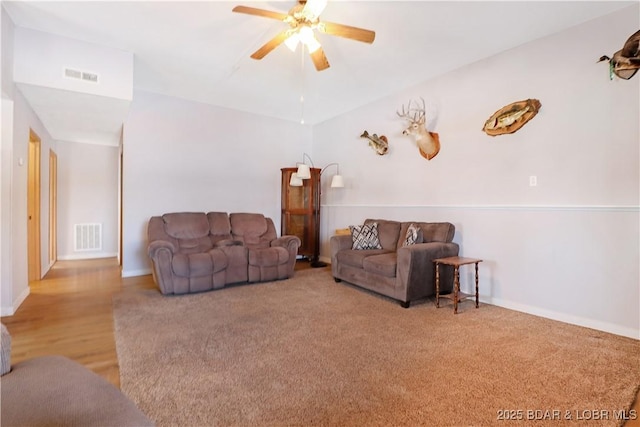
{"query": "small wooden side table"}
(458, 296)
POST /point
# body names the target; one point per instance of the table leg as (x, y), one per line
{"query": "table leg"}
(456, 288)
(477, 285)
(437, 285)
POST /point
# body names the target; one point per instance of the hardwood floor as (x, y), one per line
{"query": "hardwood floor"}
(69, 312)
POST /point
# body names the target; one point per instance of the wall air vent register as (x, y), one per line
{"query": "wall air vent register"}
(70, 73)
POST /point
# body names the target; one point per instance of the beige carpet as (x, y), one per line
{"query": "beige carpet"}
(309, 351)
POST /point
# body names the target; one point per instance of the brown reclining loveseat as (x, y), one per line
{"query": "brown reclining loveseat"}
(197, 251)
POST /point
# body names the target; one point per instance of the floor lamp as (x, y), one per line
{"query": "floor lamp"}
(304, 172)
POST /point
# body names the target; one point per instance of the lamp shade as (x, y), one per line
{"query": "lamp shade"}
(337, 181)
(295, 180)
(303, 171)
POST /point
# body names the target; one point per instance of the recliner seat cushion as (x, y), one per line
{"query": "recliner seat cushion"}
(193, 246)
(265, 257)
(199, 264)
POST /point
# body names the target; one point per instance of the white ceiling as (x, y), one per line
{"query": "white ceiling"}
(200, 50)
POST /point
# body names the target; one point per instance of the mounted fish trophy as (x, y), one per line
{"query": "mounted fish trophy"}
(626, 61)
(511, 117)
(428, 142)
(380, 144)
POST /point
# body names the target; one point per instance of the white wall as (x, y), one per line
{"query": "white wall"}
(24, 120)
(6, 160)
(17, 121)
(36, 65)
(87, 193)
(6, 258)
(566, 249)
(180, 155)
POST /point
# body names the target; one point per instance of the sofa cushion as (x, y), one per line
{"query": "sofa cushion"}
(382, 264)
(219, 226)
(250, 228)
(365, 236)
(194, 246)
(199, 264)
(356, 258)
(437, 232)
(388, 232)
(266, 257)
(186, 225)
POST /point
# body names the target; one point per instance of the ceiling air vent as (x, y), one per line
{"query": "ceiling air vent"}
(70, 73)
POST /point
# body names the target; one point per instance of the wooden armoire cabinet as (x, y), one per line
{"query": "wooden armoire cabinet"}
(301, 212)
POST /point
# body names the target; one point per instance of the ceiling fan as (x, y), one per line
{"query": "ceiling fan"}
(303, 19)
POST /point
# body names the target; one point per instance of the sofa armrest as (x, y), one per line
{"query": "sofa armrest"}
(161, 254)
(158, 245)
(290, 243)
(338, 243)
(416, 269)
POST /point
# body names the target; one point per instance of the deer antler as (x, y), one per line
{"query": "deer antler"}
(405, 114)
(418, 113)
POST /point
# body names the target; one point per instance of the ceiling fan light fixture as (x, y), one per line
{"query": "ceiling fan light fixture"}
(313, 45)
(306, 37)
(292, 42)
(303, 19)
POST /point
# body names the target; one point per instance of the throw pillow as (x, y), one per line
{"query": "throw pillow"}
(365, 236)
(413, 236)
(5, 350)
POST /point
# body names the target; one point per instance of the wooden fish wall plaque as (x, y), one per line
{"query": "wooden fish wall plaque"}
(511, 117)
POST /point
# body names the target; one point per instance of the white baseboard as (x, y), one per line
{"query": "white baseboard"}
(10, 310)
(90, 255)
(566, 318)
(135, 273)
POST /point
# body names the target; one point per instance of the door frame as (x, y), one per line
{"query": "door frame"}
(53, 207)
(33, 208)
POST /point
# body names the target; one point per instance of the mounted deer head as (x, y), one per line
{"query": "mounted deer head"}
(428, 142)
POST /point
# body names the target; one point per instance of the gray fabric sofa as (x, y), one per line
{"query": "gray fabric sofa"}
(197, 251)
(56, 391)
(404, 273)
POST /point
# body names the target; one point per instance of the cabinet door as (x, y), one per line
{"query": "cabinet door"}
(301, 211)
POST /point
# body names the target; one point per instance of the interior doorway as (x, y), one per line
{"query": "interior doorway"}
(33, 208)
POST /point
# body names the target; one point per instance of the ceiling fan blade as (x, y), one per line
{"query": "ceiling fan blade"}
(320, 60)
(354, 33)
(260, 12)
(313, 8)
(270, 45)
